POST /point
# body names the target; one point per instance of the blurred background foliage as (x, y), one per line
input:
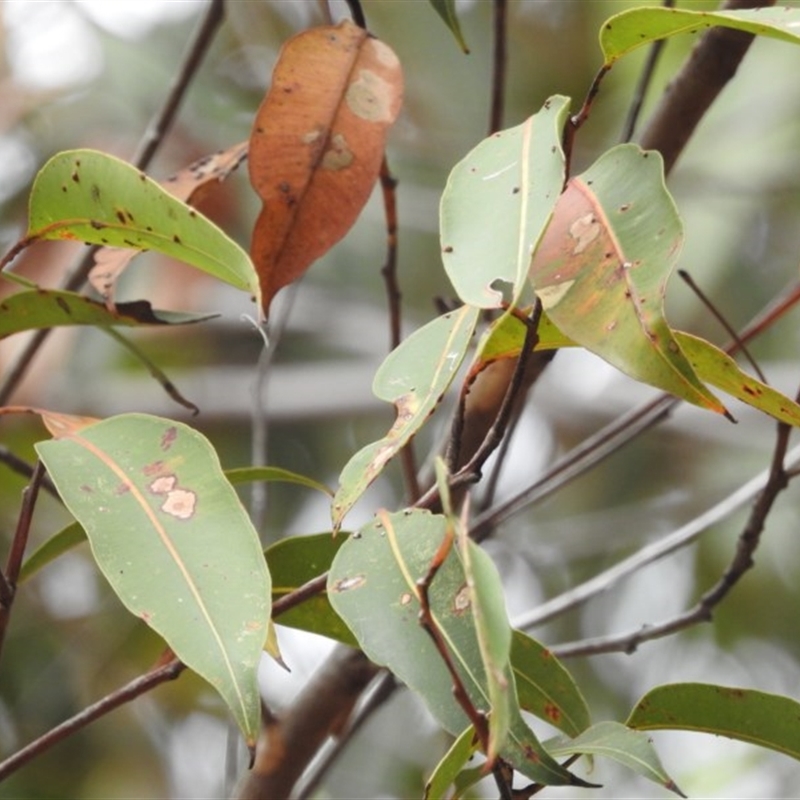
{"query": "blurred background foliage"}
(91, 74)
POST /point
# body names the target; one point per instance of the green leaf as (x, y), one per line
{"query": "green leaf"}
(446, 9)
(717, 368)
(414, 377)
(253, 474)
(545, 688)
(45, 308)
(493, 633)
(449, 768)
(293, 562)
(169, 533)
(497, 203)
(504, 339)
(96, 198)
(768, 720)
(612, 740)
(640, 26)
(58, 544)
(372, 585)
(602, 267)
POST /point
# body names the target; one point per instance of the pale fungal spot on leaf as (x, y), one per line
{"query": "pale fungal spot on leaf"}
(180, 503)
(370, 97)
(339, 155)
(384, 54)
(311, 136)
(406, 598)
(345, 584)
(461, 601)
(552, 295)
(163, 484)
(584, 230)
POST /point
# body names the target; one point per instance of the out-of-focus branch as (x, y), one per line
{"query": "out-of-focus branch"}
(741, 562)
(165, 670)
(148, 146)
(691, 92)
(287, 744)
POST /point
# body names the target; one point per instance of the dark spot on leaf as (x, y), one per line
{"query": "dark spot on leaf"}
(553, 149)
(98, 226)
(547, 104)
(645, 154)
(62, 304)
(447, 249)
(95, 191)
(284, 187)
(750, 390)
(624, 207)
(176, 239)
(153, 468)
(169, 437)
(76, 177)
(122, 488)
(63, 188)
(87, 489)
(142, 177)
(531, 754)
(192, 214)
(515, 190)
(552, 712)
(120, 216)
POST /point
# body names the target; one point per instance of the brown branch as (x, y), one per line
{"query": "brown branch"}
(643, 84)
(9, 578)
(22, 467)
(499, 64)
(149, 145)
(287, 745)
(691, 92)
(144, 683)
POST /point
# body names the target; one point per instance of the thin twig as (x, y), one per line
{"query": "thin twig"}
(430, 626)
(9, 578)
(617, 433)
(22, 467)
(719, 317)
(680, 538)
(294, 598)
(137, 687)
(149, 145)
(388, 182)
(382, 689)
(741, 562)
(691, 92)
(643, 84)
(499, 63)
(357, 13)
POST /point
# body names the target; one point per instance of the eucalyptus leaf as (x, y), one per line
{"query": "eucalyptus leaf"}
(172, 538)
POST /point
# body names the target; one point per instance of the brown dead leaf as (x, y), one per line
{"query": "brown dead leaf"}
(186, 185)
(317, 146)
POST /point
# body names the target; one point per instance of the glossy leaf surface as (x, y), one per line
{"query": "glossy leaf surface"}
(602, 267)
(170, 535)
(496, 205)
(414, 377)
(95, 198)
(373, 586)
(49, 308)
(317, 145)
(628, 747)
(640, 26)
(760, 718)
